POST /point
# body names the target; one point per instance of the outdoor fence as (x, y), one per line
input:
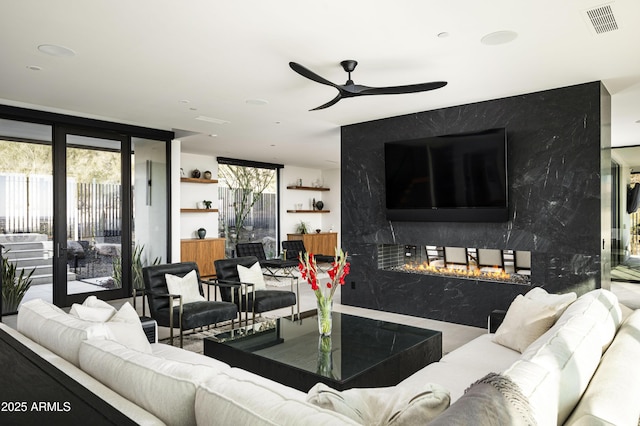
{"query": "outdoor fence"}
(93, 209)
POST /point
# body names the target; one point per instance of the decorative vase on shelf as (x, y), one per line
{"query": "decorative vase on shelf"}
(201, 233)
(207, 174)
(195, 174)
(319, 205)
(325, 306)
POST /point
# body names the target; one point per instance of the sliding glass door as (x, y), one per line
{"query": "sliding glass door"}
(92, 242)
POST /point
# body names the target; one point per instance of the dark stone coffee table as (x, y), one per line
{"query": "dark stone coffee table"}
(361, 352)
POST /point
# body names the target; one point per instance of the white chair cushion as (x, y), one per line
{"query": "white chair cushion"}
(163, 387)
(252, 275)
(187, 287)
(525, 321)
(383, 406)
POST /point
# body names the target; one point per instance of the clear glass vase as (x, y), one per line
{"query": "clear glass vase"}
(325, 306)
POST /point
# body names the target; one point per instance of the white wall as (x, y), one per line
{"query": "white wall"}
(290, 197)
(151, 221)
(193, 193)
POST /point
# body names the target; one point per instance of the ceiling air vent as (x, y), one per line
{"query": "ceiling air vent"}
(602, 19)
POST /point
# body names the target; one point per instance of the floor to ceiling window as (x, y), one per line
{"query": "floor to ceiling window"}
(84, 203)
(249, 204)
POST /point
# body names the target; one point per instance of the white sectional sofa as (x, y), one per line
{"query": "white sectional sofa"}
(578, 365)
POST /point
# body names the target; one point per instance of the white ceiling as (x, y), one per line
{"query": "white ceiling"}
(137, 62)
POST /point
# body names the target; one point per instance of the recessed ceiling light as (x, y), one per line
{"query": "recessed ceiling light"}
(638, 121)
(185, 101)
(56, 50)
(34, 68)
(258, 102)
(211, 119)
(499, 37)
(213, 135)
(443, 34)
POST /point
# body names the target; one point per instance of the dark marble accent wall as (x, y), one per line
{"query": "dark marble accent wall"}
(554, 161)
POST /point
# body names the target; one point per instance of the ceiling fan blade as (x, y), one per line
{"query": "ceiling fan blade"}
(328, 104)
(305, 72)
(396, 90)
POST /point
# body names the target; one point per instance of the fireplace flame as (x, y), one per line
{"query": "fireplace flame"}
(472, 272)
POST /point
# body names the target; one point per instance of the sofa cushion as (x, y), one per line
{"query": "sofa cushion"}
(163, 387)
(597, 307)
(525, 321)
(492, 400)
(612, 395)
(558, 302)
(539, 386)
(454, 377)
(93, 309)
(572, 352)
(383, 406)
(494, 358)
(51, 327)
(239, 397)
(125, 328)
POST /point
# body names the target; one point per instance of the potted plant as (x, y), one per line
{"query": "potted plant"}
(207, 204)
(302, 228)
(14, 286)
(137, 263)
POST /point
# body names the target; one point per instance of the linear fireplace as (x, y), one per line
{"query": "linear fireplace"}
(496, 265)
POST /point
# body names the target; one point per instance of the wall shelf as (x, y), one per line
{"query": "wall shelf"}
(308, 211)
(198, 180)
(308, 188)
(198, 210)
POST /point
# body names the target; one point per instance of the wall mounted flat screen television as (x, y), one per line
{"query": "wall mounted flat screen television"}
(450, 178)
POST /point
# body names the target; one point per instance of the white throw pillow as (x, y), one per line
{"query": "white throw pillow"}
(186, 286)
(559, 302)
(525, 321)
(93, 309)
(383, 406)
(252, 275)
(91, 314)
(125, 328)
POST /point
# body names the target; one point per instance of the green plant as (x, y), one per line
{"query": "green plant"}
(137, 263)
(302, 228)
(14, 286)
(207, 204)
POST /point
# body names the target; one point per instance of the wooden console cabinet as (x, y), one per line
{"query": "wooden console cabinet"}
(323, 243)
(203, 252)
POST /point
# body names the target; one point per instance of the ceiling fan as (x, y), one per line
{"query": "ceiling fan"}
(349, 89)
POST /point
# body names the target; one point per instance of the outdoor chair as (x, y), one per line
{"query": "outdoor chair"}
(490, 260)
(295, 248)
(185, 315)
(252, 296)
(456, 257)
(270, 265)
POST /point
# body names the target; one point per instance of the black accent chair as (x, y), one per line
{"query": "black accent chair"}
(189, 315)
(271, 265)
(251, 300)
(293, 248)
